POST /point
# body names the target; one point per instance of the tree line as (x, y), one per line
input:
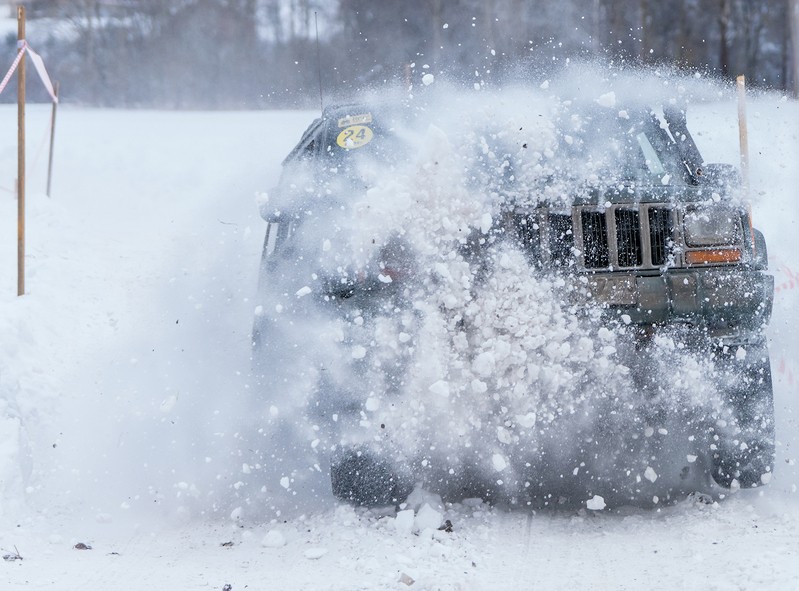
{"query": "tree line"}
(278, 53)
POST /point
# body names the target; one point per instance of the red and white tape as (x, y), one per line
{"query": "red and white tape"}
(784, 370)
(13, 67)
(38, 63)
(785, 278)
(791, 282)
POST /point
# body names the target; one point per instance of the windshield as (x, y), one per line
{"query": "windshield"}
(601, 148)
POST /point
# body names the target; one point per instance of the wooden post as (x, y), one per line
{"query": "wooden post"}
(743, 135)
(52, 142)
(21, 156)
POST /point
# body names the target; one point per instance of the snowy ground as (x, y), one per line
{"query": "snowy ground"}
(124, 376)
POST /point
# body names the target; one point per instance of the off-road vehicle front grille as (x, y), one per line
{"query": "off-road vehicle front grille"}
(595, 239)
(628, 238)
(661, 231)
(561, 239)
(615, 238)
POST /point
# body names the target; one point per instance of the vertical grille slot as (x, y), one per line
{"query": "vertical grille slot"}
(661, 231)
(561, 238)
(529, 233)
(628, 237)
(595, 240)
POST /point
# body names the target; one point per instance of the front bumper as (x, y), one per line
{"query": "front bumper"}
(724, 301)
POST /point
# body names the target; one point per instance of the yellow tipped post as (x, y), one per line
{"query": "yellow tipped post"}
(743, 133)
(21, 155)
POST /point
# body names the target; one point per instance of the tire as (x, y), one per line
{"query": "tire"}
(360, 477)
(744, 446)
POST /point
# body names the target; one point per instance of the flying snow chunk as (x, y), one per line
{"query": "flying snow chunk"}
(303, 291)
(314, 553)
(544, 85)
(427, 518)
(358, 352)
(441, 387)
(403, 523)
(740, 354)
(595, 504)
(605, 334)
(650, 474)
(484, 364)
(485, 223)
(428, 79)
(607, 100)
(499, 462)
(479, 387)
(285, 482)
(168, 403)
(273, 539)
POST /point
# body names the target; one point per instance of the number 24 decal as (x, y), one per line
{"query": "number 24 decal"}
(354, 136)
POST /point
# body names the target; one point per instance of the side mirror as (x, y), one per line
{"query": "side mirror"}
(760, 259)
(268, 211)
(719, 175)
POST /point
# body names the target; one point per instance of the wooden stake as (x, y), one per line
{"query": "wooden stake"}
(52, 142)
(743, 133)
(21, 156)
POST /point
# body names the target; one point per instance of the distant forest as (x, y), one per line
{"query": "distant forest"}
(272, 53)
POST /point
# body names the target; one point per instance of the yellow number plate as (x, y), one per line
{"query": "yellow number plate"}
(354, 136)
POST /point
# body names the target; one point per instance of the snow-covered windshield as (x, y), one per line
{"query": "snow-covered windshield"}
(602, 147)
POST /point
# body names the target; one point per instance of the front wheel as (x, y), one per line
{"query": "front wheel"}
(361, 477)
(743, 447)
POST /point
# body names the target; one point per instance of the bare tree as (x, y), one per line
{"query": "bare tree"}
(223, 53)
(725, 16)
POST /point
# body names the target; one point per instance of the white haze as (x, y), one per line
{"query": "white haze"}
(480, 378)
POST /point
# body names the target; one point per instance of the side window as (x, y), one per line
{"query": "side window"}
(277, 233)
(308, 146)
(308, 150)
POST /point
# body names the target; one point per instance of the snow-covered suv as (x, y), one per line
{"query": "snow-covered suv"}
(622, 226)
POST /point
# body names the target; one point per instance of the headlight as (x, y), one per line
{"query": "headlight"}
(713, 227)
